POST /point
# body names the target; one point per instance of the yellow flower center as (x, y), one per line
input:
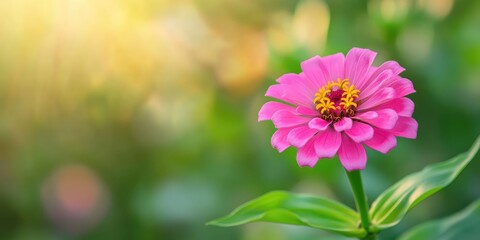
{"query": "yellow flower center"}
(336, 100)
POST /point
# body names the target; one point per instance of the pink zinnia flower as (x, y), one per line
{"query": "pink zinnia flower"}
(339, 104)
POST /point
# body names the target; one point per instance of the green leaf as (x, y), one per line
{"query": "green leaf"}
(304, 210)
(392, 205)
(460, 226)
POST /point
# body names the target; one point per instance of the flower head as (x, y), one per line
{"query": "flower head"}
(339, 104)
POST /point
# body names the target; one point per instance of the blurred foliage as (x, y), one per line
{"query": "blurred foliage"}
(462, 225)
(137, 119)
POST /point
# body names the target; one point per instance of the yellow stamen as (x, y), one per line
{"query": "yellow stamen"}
(332, 110)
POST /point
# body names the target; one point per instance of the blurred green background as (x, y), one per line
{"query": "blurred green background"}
(137, 119)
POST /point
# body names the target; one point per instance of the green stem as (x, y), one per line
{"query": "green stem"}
(360, 200)
(370, 236)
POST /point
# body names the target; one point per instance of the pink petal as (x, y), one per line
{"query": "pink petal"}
(288, 78)
(333, 66)
(306, 156)
(352, 155)
(403, 106)
(279, 139)
(357, 63)
(360, 132)
(319, 124)
(382, 141)
(283, 118)
(366, 115)
(311, 86)
(288, 93)
(292, 89)
(278, 91)
(406, 127)
(393, 67)
(376, 84)
(377, 98)
(370, 72)
(299, 136)
(344, 124)
(402, 87)
(390, 65)
(306, 111)
(269, 108)
(313, 71)
(300, 85)
(386, 118)
(327, 143)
